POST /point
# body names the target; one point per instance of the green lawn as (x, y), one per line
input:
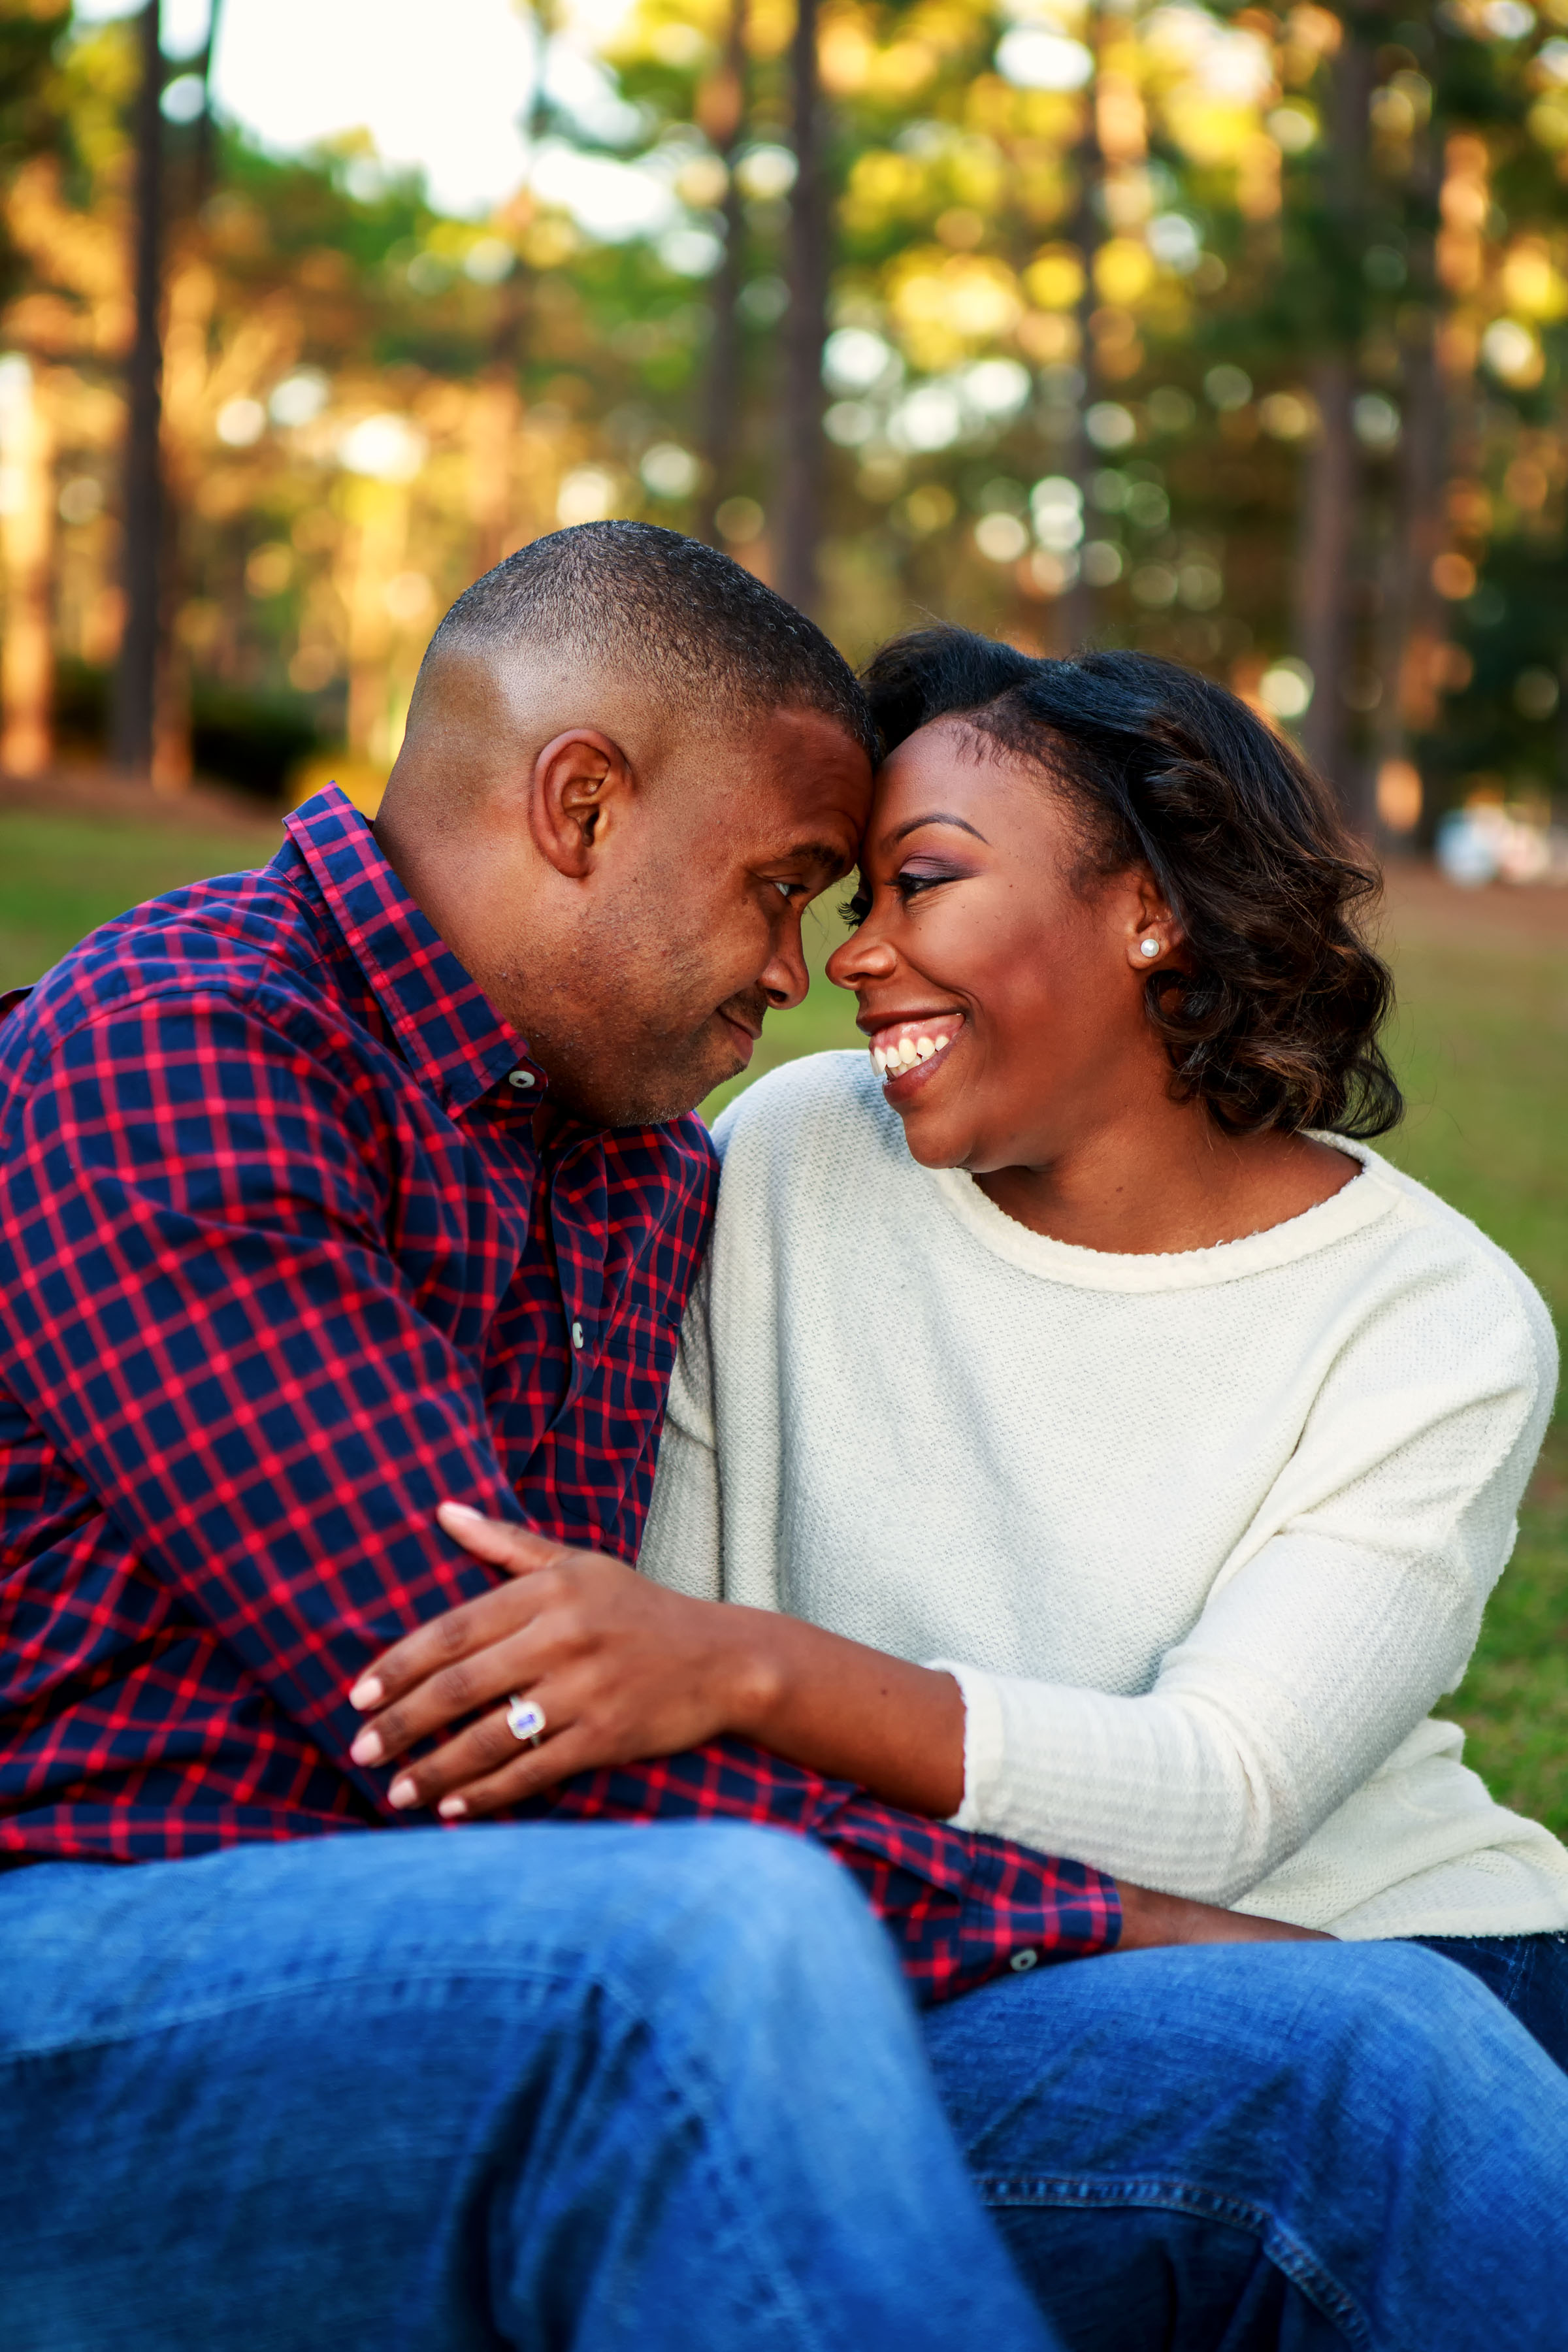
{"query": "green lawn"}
(62, 876)
(1482, 1048)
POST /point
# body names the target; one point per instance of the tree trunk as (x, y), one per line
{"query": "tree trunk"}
(1326, 578)
(27, 538)
(1415, 625)
(725, 124)
(1075, 611)
(135, 686)
(207, 141)
(805, 331)
(1324, 574)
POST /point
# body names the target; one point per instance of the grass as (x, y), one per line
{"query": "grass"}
(1481, 1043)
(60, 876)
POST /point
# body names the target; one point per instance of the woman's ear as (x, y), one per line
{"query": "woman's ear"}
(1154, 936)
(579, 787)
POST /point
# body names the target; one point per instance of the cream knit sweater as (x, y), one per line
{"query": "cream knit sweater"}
(1204, 1538)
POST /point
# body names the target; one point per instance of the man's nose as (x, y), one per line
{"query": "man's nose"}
(785, 977)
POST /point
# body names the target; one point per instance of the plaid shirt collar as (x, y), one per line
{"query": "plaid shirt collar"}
(449, 1033)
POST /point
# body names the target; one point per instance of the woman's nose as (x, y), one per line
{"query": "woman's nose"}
(864, 958)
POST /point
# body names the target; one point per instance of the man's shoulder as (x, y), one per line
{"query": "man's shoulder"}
(236, 937)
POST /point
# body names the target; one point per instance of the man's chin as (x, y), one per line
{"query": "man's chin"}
(655, 1089)
(663, 1095)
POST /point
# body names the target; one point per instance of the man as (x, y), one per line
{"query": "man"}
(329, 1193)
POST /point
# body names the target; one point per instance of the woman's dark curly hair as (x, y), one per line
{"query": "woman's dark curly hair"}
(1274, 1020)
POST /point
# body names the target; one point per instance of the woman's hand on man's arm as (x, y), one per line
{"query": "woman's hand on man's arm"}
(623, 1669)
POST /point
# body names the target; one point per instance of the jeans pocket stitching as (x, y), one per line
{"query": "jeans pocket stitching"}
(1197, 2202)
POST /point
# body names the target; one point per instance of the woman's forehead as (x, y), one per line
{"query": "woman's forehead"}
(948, 764)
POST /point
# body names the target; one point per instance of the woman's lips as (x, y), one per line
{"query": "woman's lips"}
(906, 1053)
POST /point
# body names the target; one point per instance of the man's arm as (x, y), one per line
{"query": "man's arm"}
(203, 1315)
(961, 1905)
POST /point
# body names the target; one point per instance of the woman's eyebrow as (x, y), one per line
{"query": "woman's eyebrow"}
(937, 816)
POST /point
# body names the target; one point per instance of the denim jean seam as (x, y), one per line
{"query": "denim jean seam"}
(701, 2102)
(1279, 2246)
(260, 1995)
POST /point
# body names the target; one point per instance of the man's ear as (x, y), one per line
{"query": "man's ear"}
(581, 784)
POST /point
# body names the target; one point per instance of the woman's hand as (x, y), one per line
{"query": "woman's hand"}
(620, 1667)
(623, 1668)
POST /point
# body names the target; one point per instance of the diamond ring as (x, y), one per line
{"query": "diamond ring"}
(525, 1719)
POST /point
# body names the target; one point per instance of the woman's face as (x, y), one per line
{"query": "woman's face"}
(1018, 993)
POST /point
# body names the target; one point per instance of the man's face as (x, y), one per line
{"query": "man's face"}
(691, 930)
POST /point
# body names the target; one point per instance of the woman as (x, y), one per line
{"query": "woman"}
(1074, 1342)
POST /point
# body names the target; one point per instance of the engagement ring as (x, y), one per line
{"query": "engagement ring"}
(525, 1720)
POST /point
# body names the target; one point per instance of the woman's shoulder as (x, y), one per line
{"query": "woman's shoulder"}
(810, 1158)
(1435, 1252)
(817, 1122)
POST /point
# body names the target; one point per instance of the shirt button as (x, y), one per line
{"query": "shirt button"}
(520, 1079)
(576, 1335)
(1023, 1960)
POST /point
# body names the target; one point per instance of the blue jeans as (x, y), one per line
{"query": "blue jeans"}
(553, 2087)
(1247, 2146)
(565, 2086)
(1529, 1974)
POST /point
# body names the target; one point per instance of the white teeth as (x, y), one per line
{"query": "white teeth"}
(908, 1053)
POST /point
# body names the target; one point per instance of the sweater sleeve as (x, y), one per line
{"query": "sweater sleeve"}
(1351, 1606)
(683, 1542)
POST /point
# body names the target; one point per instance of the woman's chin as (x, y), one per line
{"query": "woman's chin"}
(933, 1141)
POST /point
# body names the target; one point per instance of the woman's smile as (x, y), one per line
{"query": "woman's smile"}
(906, 1051)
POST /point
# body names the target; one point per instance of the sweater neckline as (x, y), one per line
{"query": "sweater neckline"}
(1357, 1204)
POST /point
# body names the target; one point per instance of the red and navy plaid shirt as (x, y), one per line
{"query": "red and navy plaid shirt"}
(282, 1265)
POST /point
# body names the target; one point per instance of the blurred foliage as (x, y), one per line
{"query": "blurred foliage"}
(1093, 272)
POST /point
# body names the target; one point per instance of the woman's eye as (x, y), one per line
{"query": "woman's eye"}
(914, 879)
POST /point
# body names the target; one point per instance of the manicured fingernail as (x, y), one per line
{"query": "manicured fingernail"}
(367, 1748)
(403, 1794)
(452, 1809)
(462, 1511)
(368, 1693)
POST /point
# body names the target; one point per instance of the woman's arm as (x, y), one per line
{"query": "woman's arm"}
(652, 1693)
(1328, 1636)
(1352, 1608)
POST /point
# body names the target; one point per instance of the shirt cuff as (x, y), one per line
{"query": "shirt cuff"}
(982, 1742)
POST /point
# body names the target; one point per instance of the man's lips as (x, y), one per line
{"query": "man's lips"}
(906, 1052)
(745, 1035)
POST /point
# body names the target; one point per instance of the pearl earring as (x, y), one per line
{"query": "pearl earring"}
(1149, 946)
